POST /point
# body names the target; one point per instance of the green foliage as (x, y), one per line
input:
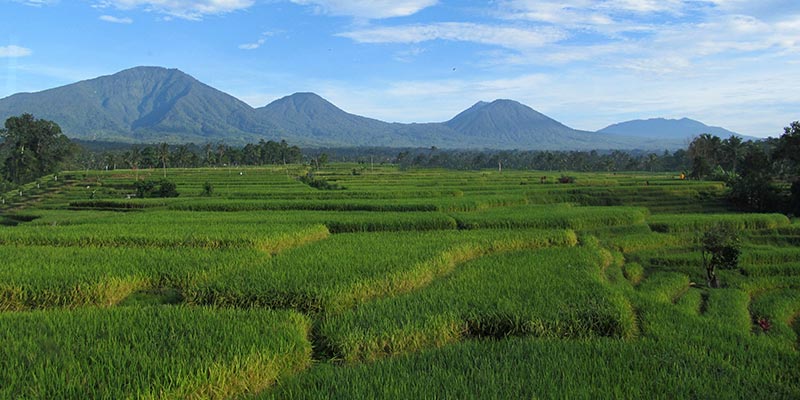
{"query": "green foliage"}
(330, 276)
(795, 198)
(634, 272)
(721, 248)
(320, 184)
(208, 189)
(788, 147)
(161, 188)
(678, 223)
(31, 148)
(553, 216)
(704, 151)
(546, 293)
(385, 270)
(167, 189)
(149, 352)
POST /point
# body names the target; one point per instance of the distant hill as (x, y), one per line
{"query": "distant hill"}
(679, 129)
(141, 104)
(310, 119)
(507, 123)
(154, 104)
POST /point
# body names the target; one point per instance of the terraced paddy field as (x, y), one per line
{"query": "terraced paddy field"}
(391, 284)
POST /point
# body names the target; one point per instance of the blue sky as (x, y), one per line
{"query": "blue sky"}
(732, 63)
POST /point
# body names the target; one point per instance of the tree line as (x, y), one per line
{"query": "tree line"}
(585, 161)
(164, 155)
(762, 175)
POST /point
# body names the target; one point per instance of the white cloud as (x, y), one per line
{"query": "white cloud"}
(258, 43)
(503, 36)
(369, 9)
(36, 3)
(186, 9)
(603, 13)
(116, 20)
(13, 51)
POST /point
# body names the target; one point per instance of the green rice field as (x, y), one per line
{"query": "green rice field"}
(418, 283)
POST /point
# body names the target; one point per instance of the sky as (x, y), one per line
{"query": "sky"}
(588, 64)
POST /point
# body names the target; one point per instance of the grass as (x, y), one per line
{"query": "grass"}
(545, 293)
(149, 352)
(701, 222)
(333, 275)
(553, 368)
(429, 284)
(561, 216)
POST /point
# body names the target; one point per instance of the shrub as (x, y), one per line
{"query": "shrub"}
(566, 179)
(208, 189)
(162, 188)
(320, 184)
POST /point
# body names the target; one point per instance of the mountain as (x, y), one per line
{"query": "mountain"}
(680, 129)
(154, 104)
(141, 104)
(310, 119)
(509, 123)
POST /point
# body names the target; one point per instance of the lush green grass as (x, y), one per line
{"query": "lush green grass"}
(336, 274)
(44, 277)
(552, 368)
(188, 233)
(149, 352)
(451, 284)
(547, 293)
(554, 216)
(701, 222)
(780, 309)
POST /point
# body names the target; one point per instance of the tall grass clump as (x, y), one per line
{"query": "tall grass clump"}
(152, 352)
(348, 269)
(702, 222)
(545, 293)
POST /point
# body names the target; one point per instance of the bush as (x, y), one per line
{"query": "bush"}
(162, 188)
(320, 184)
(167, 189)
(144, 188)
(208, 189)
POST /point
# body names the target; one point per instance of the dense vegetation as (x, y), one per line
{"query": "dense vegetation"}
(758, 173)
(401, 283)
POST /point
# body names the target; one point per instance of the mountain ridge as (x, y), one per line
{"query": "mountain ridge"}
(683, 128)
(154, 104)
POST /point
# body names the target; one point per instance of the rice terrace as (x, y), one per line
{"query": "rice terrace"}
(399, 199)
(402, 283)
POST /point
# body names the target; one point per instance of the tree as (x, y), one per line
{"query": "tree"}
(163, 156)
(788, 150)
(720, 250)
(788, 147)
(794, 202)
(752, 189)
(31, 148)
(704, 151)
(732, 151)
(133, 158)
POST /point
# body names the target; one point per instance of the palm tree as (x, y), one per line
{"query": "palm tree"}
(163, 155)
(133, 157)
